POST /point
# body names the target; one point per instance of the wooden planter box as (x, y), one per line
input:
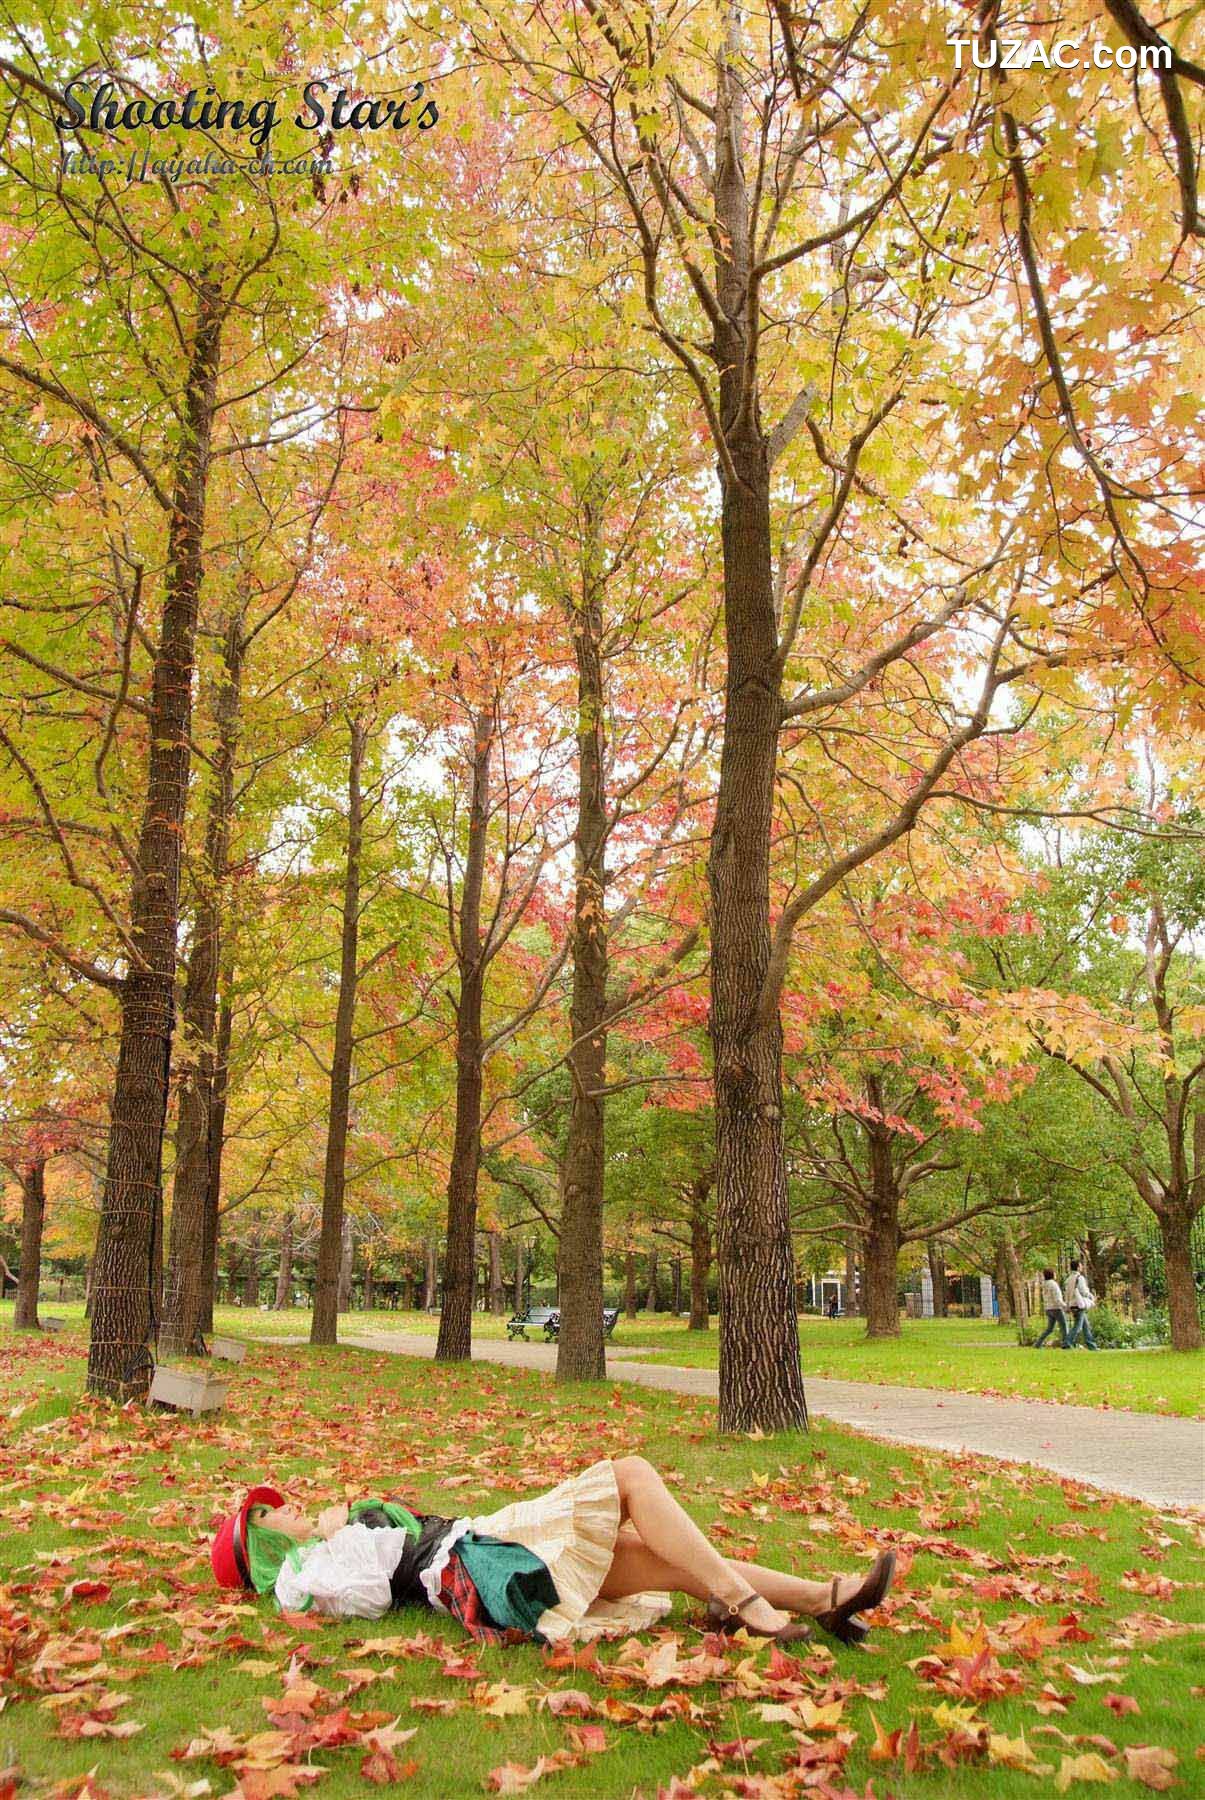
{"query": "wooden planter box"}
(189, 1390)
(228, 1349)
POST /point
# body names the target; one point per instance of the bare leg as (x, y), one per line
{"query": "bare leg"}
(636, 1569)
(673, 1537)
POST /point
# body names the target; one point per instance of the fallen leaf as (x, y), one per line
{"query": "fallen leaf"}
(1150, 1764)
(1088, 1767)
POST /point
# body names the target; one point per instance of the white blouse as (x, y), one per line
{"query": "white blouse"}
(346, 1575)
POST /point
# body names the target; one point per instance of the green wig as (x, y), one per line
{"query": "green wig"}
(267, 1551)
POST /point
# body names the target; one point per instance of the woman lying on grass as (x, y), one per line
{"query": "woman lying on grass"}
(591, 1558)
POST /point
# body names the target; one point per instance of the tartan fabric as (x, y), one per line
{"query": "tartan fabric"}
(458, 1594)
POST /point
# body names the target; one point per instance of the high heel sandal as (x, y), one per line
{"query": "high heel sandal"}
(839, 1620)
(728, 1619)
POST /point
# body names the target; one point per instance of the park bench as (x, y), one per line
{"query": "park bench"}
(550, 1318)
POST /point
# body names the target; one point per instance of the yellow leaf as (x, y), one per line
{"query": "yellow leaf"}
(1089, 1767)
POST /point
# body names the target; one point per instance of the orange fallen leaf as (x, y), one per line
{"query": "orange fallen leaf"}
(1150, 1764)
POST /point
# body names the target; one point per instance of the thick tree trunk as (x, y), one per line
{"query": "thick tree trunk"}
(1175, 1233)
(581, 1350)
(324, 1324)
(123, 1316)
(33, 1214)
(370, 1288)
(937, 1275)
(284, 1273)
(181, 1331)
(217, 1140)
(497, 1296)
(652, 1299)
(347, 1266)
(676, 1284)
(629, 1284)
(761, 1381)
(455, 1340)
(431, 1274)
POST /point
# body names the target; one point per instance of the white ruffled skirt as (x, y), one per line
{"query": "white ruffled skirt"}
(572, 1529)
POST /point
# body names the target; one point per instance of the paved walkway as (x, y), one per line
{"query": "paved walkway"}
(1142, 1455)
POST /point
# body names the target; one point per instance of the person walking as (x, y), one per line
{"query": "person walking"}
(1052, 1300)
(1079, 1301)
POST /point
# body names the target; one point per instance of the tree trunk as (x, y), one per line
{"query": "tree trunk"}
(1016, 1280)
(251, 1273)
(520, 1259)
(181, 1330)
(217, 1140)
(1098, 1267)
(1175, 1232)
(324, 1323)
(937, 1275)
(676, 1284)
(33, 1214)
(123, 1315)
(347, 1266)
(431, 1274)
(760, 1381)
(581, 1350)
(1004, 1284)
(700, 1258)
(853, 1298)
(497, 1294)
(455, 1340)
(284, 1272)
(88, 1289)
(652, 1299)
(629, 1284)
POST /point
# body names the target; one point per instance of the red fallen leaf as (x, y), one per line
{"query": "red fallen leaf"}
(1049, 1700)
(1121, 1704)
(461, 1668)
(92, 1593)
(381, 1767)
(566, 1700)
(568, 1656)
(590, 1740)
(912, 1751)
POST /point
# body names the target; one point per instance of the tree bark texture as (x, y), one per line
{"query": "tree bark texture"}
(455, 1340)
(284, 1271)
(324, 1322)
(431, 1274)
(124, 1325)
(629, 1284)
(937, 1275)
(581, 1349)
(181, 1331)
(652, 1297)
(1175, 1235)
(33, 1214)
(883, 1228)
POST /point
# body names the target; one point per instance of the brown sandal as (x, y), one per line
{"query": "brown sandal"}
(839, 1620)
(728, 1619)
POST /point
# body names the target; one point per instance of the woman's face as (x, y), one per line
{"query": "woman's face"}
(287, 1519)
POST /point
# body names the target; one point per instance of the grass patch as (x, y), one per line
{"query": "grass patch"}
(127, 1499)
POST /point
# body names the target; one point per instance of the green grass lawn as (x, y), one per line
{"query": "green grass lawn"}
(973, 1356)
(1027, 1608)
